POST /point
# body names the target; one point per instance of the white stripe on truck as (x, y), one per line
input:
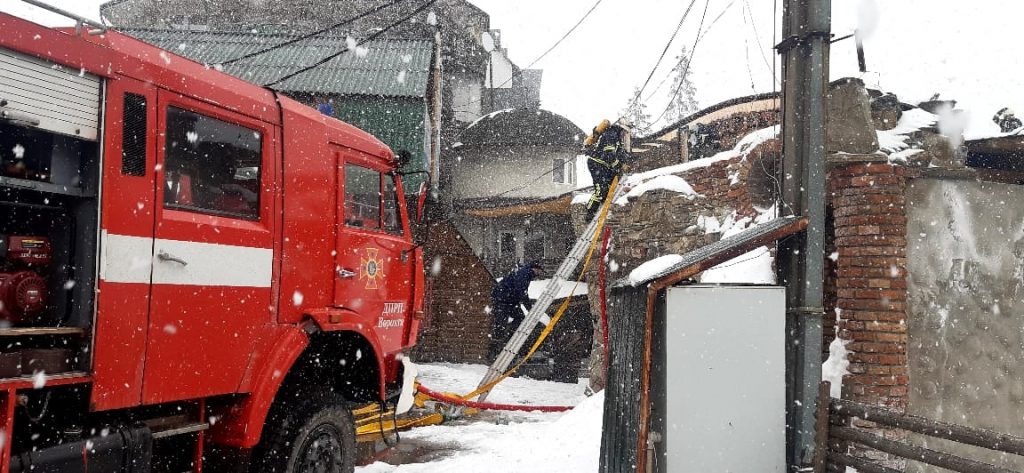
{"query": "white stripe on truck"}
(131, 259)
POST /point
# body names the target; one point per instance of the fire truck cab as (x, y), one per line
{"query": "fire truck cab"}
(195, 271)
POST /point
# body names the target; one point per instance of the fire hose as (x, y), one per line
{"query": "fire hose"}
(487, 405)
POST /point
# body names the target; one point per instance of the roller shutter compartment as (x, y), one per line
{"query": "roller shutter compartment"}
(48, 96)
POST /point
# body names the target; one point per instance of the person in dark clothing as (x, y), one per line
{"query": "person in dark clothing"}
(507, 295)
(1006, 120)
(606, 153)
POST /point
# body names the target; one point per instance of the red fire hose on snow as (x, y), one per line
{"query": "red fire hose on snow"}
(488, 405)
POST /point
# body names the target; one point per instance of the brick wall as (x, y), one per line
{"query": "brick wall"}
(868, 210)
(458, 327)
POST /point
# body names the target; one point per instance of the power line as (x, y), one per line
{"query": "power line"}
(535, 61)
(346, 48)
(662, 57)
(667, 76)
(757, 36)
(315, 33)
(689, 60)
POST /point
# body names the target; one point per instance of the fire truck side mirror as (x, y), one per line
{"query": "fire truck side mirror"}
(402, 158)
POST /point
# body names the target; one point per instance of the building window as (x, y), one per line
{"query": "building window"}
(212, 166)
(534, 247)
(562, 171)
(507, 245)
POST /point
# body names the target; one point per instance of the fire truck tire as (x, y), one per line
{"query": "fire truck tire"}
(311, 434)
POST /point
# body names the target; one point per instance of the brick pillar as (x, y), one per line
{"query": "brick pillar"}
(869, 202)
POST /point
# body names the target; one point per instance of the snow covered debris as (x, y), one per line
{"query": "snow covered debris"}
(891, 142)
(835, 367)
(669, 182)
(652, 268)
(505, 442)
(747, 144)
(581, 198)
(901, 157)
(911, 121)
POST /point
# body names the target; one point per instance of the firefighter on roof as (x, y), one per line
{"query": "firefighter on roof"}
(606, 152)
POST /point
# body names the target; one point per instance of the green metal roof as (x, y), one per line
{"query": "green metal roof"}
(386, 67)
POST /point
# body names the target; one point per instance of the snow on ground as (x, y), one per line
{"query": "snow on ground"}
(503, 442)
(565, 289)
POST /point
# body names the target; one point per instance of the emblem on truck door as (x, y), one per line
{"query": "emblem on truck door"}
(371, 268)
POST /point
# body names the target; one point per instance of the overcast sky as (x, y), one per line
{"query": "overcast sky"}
(968, 51)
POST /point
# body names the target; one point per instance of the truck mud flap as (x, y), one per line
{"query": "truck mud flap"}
(127, 450)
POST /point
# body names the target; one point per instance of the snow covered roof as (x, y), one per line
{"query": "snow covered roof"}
(393, 68)
(522, 126)
(708, 256)
(765, 101)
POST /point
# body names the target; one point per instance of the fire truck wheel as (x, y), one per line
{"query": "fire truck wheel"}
(310, 435)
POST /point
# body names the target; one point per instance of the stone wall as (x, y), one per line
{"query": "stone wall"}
(662, 222)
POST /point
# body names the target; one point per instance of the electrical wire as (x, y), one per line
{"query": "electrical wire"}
(757, 36)
(535, 61)
(667, 76)
(662, 57)
(689, 60)
(346, 48)
(313, 34)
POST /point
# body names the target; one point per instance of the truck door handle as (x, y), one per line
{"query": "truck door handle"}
(165, 256)
(345, 274)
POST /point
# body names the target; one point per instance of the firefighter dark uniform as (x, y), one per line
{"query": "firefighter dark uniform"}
(506, 297)
(605, 155)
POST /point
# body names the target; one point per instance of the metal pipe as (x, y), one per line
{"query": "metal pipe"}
(806, 29)
(921, 454)
(957, 433)
(81, 20)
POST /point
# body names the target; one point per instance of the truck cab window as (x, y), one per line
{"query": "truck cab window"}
(392, 222)
(211, 166)
(362, 197)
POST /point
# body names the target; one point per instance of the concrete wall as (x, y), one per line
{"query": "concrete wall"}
(966, 295)
(478, 172)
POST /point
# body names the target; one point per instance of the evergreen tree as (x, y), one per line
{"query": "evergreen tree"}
(636, 114)
(684, 94)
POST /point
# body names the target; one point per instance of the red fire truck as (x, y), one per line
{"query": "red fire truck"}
(195, 272)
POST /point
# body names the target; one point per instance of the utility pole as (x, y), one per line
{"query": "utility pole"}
(806, 29)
